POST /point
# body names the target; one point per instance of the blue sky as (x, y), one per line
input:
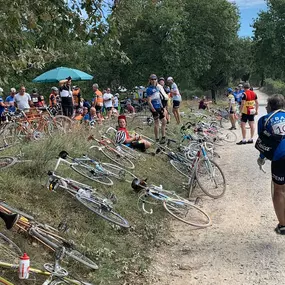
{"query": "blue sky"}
(249, 10)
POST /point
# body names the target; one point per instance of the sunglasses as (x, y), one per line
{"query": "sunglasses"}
(153, 79)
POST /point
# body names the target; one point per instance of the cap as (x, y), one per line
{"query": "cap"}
(35, 90)
(246, 85)
(169, 78)
(116, 94)
(122, 117)
(240, 85)
(13, 90)
(68, 78)
(152, 76)
(161, 78)
(54, 88)
(96, 85)
(230, 90)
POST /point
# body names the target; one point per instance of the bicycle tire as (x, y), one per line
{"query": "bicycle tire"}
(214, 188)
(63, 123)
(55, 242)
(179, 209)
(119, 172)
(228, 136)
(92, 174)
(7, 161)
(5, 281)
(9, 251)
(181, 167)
(95, 205)
(116, 157)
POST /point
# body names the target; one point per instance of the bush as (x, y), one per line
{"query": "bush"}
(274, 86)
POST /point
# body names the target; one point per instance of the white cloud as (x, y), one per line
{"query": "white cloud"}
(248, 3)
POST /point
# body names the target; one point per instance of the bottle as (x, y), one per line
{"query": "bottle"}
(24, 266)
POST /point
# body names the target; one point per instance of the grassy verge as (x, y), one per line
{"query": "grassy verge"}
(123, 256)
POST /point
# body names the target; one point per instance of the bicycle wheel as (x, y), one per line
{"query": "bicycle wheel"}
(181, 167)
(117, 157)
(210, 178)
(9, 251)
(102, 209)
(187, 212)
(7, 161)
(63, 123)
(92, 174)
(119, 172)
(5, 282)
(228, 136)
(54, 242)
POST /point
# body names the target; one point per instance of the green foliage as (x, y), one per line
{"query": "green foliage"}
(274, 86)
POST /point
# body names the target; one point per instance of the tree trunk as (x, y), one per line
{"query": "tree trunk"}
(213, 92)
(262, 80)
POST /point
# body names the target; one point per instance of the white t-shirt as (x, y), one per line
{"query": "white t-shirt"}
(22, 101)
(108, 103)
(176, 97)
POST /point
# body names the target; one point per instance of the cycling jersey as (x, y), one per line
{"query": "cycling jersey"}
(249, 105)
(1, 107)
(98, 98)
(276, 125)
(175, 92)
(10, 101)
(153, 93)
(52, 100)
(76, 96)
(125, 131)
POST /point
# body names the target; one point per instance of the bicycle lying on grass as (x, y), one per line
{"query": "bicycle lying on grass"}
(47, 235)
(95, 170)
(8, 161)
(89, 197)
(180, 208)
(10, 253)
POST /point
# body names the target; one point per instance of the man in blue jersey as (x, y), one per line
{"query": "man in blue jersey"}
(2, 104)
(156, 108)
(276, 126)
(10, 100)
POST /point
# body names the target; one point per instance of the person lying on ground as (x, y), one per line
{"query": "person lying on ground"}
(123, 136)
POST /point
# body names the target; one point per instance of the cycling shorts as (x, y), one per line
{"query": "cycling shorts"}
(245, 118)
(158, 114)
(98, 109)
(278, 171)
(176, 104)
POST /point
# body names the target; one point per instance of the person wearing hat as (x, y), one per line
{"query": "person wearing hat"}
(10, 100)
(116, 101)
(249, 109)
(176, 98)
(156, 108)
(123, 136)
(65, 94)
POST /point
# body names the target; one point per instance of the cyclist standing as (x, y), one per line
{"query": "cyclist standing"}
(156, 108)
(275, 126)
(65, 93)
(249, 109)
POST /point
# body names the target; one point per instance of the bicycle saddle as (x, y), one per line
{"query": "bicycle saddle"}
(63, 154)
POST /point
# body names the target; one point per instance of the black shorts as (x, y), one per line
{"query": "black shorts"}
(67, 111)
(98, 109)
(245, 118)
(232, 111)
(117, 108)
(158, 114)
(164, 103)
(176, 104)
(109, 109)
(278, 171)
(138, 145)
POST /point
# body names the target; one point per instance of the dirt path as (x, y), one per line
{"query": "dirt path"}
(241, 247)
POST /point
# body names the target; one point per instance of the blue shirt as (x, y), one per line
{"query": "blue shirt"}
(1, 107)
(88, 117)
(276, 125)
(10, 101)
(154, 94)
